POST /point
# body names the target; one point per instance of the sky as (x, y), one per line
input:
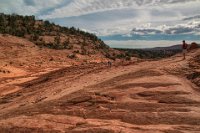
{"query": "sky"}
(120, 23)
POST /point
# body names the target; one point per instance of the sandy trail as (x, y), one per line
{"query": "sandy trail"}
(150, 97)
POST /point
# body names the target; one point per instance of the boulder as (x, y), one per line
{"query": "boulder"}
(193, 45)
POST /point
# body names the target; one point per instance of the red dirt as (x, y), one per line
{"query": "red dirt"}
(150, 96)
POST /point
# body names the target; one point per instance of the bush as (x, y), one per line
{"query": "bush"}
(35, 37)
(128, 58)
(77, 51)
(72, 56)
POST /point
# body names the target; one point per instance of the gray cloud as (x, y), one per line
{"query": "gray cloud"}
(107, 17)
(175, 1)
(28, 7)
(83, 7)
(30, 2)
(179, 30)
(160, 2)
(193, 17)
(146, 31)
(185, 28)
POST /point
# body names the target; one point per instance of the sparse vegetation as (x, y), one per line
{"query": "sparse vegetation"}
(72, 56)
(50, 35)
(29, 27)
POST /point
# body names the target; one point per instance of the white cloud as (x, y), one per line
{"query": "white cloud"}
(108, 17)
(160, 14)
(27, 7)
(82, 7)
(183, 28)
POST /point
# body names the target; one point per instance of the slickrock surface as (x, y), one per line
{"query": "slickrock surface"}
(142, 97)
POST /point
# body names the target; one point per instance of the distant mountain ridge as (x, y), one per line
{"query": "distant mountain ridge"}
(158, 52)
(174, 47)
(154, 53)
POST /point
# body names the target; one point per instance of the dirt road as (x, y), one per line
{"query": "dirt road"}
(145, 97)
